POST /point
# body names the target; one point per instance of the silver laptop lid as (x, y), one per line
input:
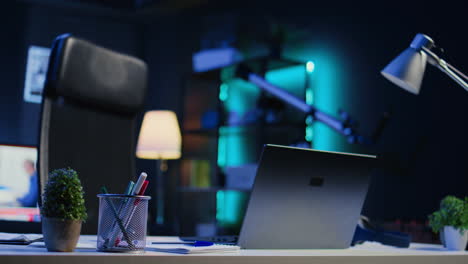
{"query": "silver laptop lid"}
(305, 199)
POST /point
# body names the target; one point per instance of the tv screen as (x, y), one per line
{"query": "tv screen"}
(19, 191)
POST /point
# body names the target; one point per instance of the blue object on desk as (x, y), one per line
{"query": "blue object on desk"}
(391, 238)
(190, 243)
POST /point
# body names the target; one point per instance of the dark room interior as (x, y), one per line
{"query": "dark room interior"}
(327, 54)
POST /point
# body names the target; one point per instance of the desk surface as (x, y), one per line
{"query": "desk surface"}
(417, 253)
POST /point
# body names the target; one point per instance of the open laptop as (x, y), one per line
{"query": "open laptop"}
(305, 199)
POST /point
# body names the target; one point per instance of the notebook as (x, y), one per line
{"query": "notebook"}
(187, 249)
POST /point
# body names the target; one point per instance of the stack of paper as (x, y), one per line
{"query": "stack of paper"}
(188, 249)
(173, 246)
(19, 239)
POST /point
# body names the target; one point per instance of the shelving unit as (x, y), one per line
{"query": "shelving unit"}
(224, 126)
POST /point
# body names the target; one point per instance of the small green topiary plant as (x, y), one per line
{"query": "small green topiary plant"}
(453, 212)
(63, 196)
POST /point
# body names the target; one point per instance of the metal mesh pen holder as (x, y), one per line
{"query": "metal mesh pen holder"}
(122, 223)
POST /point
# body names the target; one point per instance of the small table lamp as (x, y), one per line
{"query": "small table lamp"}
(159, 139)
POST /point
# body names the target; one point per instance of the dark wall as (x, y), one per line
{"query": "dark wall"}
(12, 23)
(168, 45)
(423, 148)
(23, 25)
(422, 151)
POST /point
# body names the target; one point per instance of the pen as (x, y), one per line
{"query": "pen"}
(139, 183)
(114, 239)
(119, 221)
(142, 190)
(128, 191)
(137, 201)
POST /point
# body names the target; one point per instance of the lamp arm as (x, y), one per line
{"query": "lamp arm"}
(457, 71)
(442, 65)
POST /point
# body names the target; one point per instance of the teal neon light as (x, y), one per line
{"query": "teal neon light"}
(222, 151)
(220, 208)
(240, 96)
(327, 85)
(223, 92)
(309, 129)
(310, 66)
(324, 91)
(309, 96)
(290, 79)
(234, 146)
(309, 133)
(328, 88)
(230, 207)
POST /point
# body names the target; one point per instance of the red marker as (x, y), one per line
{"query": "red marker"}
(141, 192)
(143, 188)
(137, 201)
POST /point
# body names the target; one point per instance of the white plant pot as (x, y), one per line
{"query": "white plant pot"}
(453, 239)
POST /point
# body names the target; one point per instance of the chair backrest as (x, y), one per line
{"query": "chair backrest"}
(91, 100)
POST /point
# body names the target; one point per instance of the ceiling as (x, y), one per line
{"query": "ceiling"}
(125, 5)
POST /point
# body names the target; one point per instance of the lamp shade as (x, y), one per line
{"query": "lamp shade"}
(407, 70)
(159, 136)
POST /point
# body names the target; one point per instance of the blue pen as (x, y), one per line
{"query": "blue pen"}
(189, 243)
(129, 189)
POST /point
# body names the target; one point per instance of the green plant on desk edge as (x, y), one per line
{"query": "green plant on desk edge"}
(453, 212)
(63, 210)
(63, 196)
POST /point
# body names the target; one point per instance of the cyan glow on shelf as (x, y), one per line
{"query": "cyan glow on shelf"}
(324, 84)
(230, 207)
(328, 83)
(223, 92)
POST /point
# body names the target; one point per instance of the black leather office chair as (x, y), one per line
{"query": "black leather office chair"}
(91, 98)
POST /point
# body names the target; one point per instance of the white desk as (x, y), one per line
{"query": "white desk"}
(418, 253)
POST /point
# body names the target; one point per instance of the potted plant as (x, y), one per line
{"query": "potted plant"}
(62, 210)
(451, 220)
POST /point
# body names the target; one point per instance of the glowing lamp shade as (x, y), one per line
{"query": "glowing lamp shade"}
(159, 136)
(407, 70)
